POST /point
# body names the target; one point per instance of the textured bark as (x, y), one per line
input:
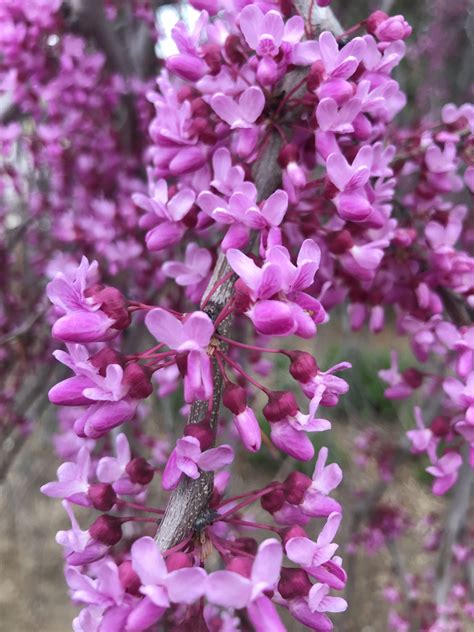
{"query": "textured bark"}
(188, 501)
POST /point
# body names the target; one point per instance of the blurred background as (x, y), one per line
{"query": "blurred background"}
(40, 232)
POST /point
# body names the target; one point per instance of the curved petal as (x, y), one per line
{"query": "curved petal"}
(251, 103)
(267, 565)
(228, 589)
(165, 327)
(147, 561)
(215, 458)
(186, 585)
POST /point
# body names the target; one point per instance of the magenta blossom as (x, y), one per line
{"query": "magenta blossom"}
(445, 470)
(190, 338)
(234, 590)
(189, 459)
(352, 202)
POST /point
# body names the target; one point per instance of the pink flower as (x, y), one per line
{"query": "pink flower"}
(422, 438)
(190, 337)
(309, 554)
(392, 29)
(352, 202)
(316, 500)
(193, 271)
(164, 214)
(79, 546)
(160, 587)
(188, 458)
(243, 114)
(340, 64)
(113, 470)
(289, 434)
(232, 590)
(73, 480)
(81, 318)
(445, 471)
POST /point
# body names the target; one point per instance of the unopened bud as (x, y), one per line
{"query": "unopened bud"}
(273, 501)
(140, 471)
(106, 529)
(178, 560)
(234, 398)
(412, 377)
(288, 153)
(128, 578)
(296, 485)
(203, 433)
(104, 357)
(137, 378)
(374, 20)
(294, 583)
(303, 366)
(102, 496)
(114, 304)
(440, 426)
(280, 404)
(240, 565)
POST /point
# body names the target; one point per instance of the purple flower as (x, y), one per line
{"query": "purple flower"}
(164, 214)
(73, 480)
(422, 438)
(243, 114)
(192, 272)
(190, 337)
(243, 213)
(445, 471)
(79, 547)
(316, 500)
(188, 458)
(184, 586)
(340, 64)
(227, 177)
(81, 319)
(113, 470)
(232, 590)
(311, 554)
(352, 202)
(289, 434)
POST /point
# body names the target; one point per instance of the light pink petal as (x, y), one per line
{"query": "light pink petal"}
(186, 585)
(147, 561)
(294, 29)
(215, 458)
(180, 204)
(228, 589)
(143, 616)
(199, 328)
(165, 327)
(264, 616)
(326, 114)
(267, 565)
(275, 207)
(245, 267)
(271, 281)
(272, 318)
(251, 103)
(353, 206)
(251, 19)
(345, 69)
(226, 108)
(291, 441)
(273, 25)
(338, 169)
(329, 49)
(171, 473)
(330, 529)
(300, 550)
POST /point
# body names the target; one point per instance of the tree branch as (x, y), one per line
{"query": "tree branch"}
(191, 497)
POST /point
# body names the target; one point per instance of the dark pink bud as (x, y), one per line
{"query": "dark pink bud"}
(303, 366)
(273, 501)
(296, 485)
(140, 471)
(138, 379)
(249, 545)
(315, 75)
(178, 560)
(241, 565)
(412, 377)
(106, 529)
(280, 404)
(102, 496)
(340, 242)
(294, 532)
(114, 304)
(294, 582)
(182, 362)
(242, 300)
(128, 578)
(235, 398)
(203, 432)
(104, 357)
(212, 57)
(440, 426)
(374, 20)
(288, 153)
(233, 49)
